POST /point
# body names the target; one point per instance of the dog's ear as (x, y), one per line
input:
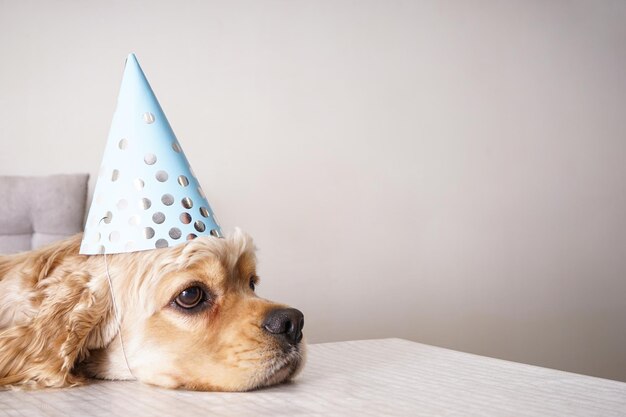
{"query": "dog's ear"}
(43, 351)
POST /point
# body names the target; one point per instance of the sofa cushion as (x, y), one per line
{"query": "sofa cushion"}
(38, 210)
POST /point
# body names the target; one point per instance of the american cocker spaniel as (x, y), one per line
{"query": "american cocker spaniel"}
(189, 317)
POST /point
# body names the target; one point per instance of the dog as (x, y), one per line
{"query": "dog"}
(190, 318)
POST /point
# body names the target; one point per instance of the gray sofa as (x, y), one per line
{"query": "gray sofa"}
(35, 211)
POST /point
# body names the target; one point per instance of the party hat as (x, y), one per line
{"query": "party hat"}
(146, 196)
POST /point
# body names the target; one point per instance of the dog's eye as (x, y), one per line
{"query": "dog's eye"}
(253, 282)
(190, 297)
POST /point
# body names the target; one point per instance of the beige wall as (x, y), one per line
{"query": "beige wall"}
(448, 172)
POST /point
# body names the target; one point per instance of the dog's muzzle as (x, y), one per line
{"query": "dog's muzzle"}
(286, 324)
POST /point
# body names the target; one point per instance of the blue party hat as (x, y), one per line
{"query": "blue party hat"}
(146, 196)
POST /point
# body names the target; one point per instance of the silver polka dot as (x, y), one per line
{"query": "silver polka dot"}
(148, 232)
(167, 199)
(145, 203)
(204, 212)
(158, 217)
(100, 249)
(185, 218)
(134, 220)
(216, 233)
(97, 237)
(123, 144)
(115, 175)
(176, 147)
(199, 226)
(161, 176)
(191, 236)
(150, 158)
(201, 192)
(108, 217)
(182, 180)
(187, 203)
(175, 233)
(122, 204)
(139, 184)
(148, 117)
(161, 243)
(114, 236)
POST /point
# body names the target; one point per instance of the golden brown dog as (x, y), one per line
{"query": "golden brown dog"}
(189, 318)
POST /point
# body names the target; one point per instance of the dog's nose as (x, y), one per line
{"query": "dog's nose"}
(285, 322)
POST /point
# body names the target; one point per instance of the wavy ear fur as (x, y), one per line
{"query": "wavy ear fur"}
(60, 310)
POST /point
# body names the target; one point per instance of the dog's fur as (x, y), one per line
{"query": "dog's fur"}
(57, 319)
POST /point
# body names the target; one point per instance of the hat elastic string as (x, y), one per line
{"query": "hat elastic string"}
(117, 314)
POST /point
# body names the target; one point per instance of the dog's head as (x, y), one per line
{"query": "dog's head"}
(191, 319)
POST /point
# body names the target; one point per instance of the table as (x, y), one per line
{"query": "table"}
(390, 377)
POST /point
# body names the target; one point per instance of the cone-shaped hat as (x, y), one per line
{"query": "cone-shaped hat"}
(146, 196)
